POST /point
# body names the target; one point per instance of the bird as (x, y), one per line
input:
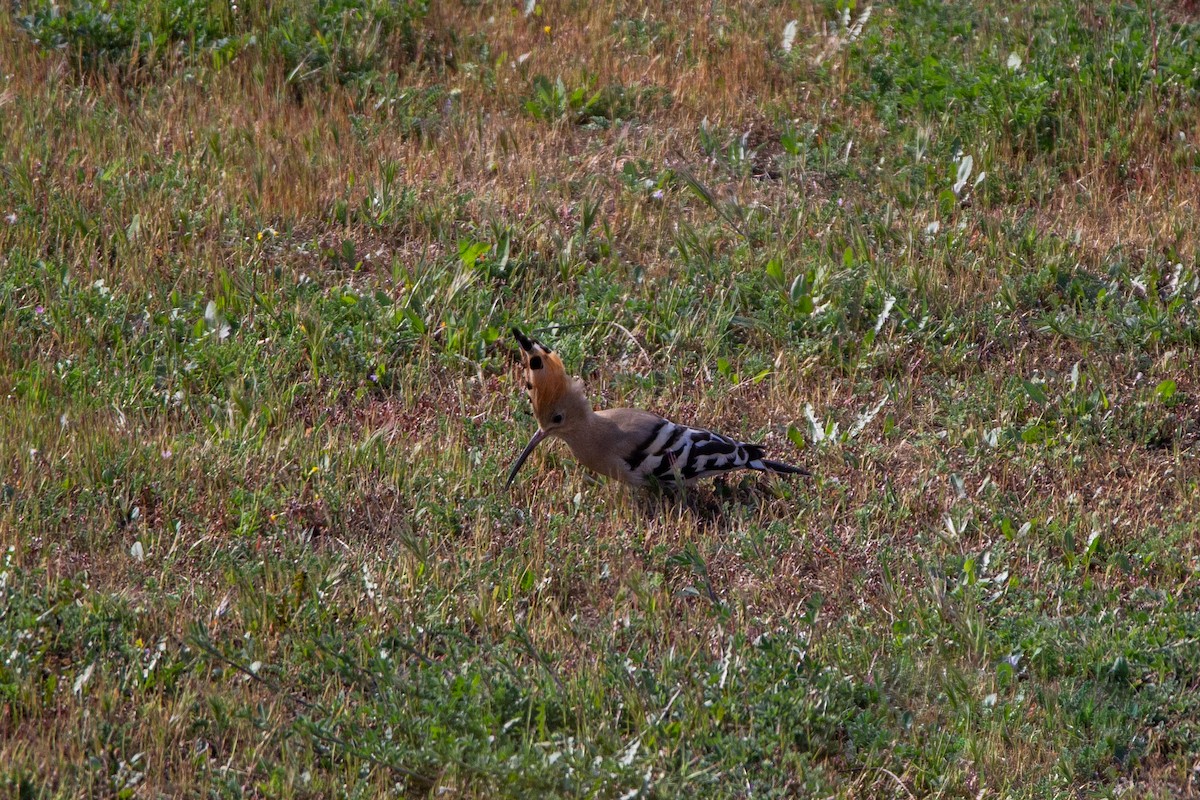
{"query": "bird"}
(635, 447)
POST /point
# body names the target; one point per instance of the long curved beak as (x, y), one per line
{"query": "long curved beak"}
(512, 473)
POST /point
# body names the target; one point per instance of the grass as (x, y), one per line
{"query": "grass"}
(258, 262)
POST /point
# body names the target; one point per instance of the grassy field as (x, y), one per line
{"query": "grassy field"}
(257, 265)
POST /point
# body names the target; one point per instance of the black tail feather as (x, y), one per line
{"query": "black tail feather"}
(780, 467)
(759, 462)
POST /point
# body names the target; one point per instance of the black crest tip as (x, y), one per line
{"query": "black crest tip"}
(530, 345)
(525, 342)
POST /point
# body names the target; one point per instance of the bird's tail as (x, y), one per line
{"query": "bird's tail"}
(755, 451)
(767, 465)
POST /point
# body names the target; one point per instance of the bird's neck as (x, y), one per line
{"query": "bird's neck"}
(591, 427)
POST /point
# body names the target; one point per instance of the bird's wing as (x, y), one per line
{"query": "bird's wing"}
(653, 448)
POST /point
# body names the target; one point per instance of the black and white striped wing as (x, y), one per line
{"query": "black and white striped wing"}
(674, 453)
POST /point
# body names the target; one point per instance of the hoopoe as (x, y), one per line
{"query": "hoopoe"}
(632, 446)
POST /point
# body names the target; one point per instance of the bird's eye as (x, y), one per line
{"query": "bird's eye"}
(557, 419)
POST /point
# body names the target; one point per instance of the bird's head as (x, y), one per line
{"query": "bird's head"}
(559, 402)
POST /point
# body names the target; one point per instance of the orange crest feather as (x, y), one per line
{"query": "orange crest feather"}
(545, 378)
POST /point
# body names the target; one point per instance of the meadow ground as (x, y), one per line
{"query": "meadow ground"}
(257, 264)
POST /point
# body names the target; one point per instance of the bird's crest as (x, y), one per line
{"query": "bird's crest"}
(545, 379)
